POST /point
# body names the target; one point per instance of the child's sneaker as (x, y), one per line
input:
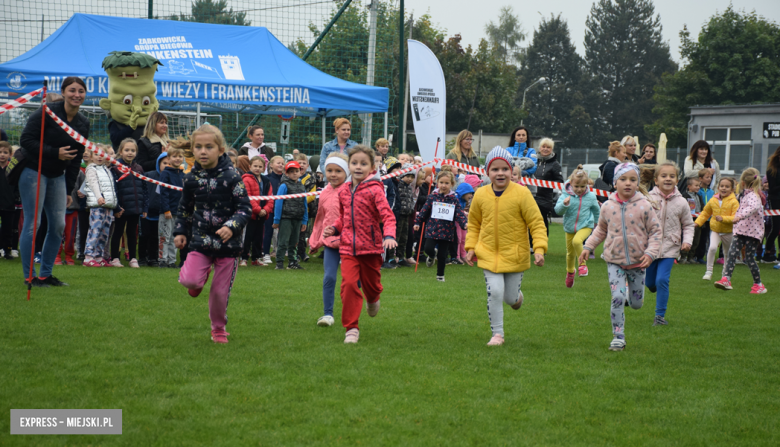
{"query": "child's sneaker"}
(325, 320)
(134, 263)
(724, 284)
(15, 253)
(569, 279)
(69, 260)
(242, 263)
(617, 344)
(720, 261)
(388, 266)
(659, 321)
(352, 336)
(707, 276)
(519, 302)
(373, 309)
(583, 271)
(58, 260)
(194, 292)
(105, 263)
(440, 278)
(279, 266)
(758, 288)
(116, 263)
(429, 262)
(267, 259)
(219, 336)
(411, 261)
(258, 263)
(294, 266)
(497, 340)
(92, 263)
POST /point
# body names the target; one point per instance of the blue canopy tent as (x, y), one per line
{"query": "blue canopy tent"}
(221, 68)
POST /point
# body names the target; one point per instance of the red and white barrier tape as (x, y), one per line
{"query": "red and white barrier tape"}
(766, 213)
(17, 102)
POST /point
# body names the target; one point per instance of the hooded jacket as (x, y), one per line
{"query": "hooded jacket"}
(404, 204)
(261, 187)
(521, 150)
(463, 189)
(363, 207)
(327, 214)
(441, 229)
(727, 210)
(498, 228)
(674, 215)
(629, 230)
(548, 169)
(130, 190)
(170, 198)
(212, 199)
(608, 170)
(153, 197)
(751, 215)
(582, 211)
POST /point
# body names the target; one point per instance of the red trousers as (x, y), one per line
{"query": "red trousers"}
(367, 270)
(69, 235)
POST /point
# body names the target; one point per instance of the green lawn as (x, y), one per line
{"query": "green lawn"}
(421, 374)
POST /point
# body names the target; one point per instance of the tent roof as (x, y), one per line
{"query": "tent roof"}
(223, 67)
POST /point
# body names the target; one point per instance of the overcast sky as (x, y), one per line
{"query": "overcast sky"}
(468, 17)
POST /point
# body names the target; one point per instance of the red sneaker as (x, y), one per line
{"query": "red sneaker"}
(69, 260)
(58, 260)
(258, 263)
(194, 292)
(105, 263)
(758, 288)
(569, 280)
(724, 284)
(219, 336)
(92, 263)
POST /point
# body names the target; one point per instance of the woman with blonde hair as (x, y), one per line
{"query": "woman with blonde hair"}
(154, 142)
(340, 144)
(630, 144)
(462, 152)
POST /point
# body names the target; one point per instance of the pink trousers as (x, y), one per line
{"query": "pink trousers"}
(194, 275)
(461, 242)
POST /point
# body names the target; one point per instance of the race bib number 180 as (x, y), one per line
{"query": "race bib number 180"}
(443, 211)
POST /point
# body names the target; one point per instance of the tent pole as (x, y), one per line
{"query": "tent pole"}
(401, 75)
(403, 135)
(323, 131)
(385, 125)
(197, 117)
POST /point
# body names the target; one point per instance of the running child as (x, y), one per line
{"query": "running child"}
(674, 215)
(101, 200)
(361, 244)
(631, 233)
(500, 218)
(722, 208)
(336, 170)
(132, 195)
(580, 210)
(256, 184)
(748, 231)
(212, 215)
(440, 213)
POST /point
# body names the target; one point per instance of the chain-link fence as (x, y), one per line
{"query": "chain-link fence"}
(343, 52)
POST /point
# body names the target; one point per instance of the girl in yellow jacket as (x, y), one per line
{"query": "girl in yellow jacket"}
(499, 220)
(722, 207)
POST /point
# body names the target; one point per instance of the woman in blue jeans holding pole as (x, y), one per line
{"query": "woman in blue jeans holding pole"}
(61, 160)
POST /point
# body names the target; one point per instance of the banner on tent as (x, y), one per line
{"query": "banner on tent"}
(428, 99)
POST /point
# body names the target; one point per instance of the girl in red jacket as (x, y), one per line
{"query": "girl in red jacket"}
(336, 169)
(256, 185)
(362, 206)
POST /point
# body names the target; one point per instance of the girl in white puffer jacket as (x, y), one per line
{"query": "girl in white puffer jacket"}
(101, 199)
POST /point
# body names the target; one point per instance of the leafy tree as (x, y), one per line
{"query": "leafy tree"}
(625, 54)
(211, 11)
(506, 35)
(735, 60)
(561, 108)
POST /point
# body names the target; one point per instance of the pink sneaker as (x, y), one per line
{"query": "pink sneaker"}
(497, 340)
(219, 336)
(105, 263)
(724, 284)
(134, 263)
(583, 270)
(116, 263)
(194, 292)
(569, 280)
(720, 261)
(758, 288)
(352, 336)
(92, 263)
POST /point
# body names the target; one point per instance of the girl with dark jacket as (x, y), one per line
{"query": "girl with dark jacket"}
(132, 197)
(148, 246)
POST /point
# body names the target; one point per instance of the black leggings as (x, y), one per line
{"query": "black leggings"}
(770, 251)
(83, 229)
(127, 223)
(751, 245)
(441, 256)
(253, 240)
(149, 241)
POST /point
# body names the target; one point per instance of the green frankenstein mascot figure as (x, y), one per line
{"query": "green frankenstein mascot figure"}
(131, 94)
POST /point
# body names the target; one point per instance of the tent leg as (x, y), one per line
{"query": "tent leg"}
(324, 140)
(197, 117)
(385, 125)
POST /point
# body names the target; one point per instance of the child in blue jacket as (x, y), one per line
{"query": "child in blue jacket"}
(580, 211)
(169, 205)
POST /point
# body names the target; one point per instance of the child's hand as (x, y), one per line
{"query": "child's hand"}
(168, 215)
(330, 231)
(719, 218)
(539, 259)
(263, 213)
(119, 214)
(469, 257)
(180, 241)
(566, 201)
(736, 219)
(646, 261)
(225, 234)
(416, 228)
(303, 228)
(275, 226)
(101, 201)
(389, 243)
(81, 194)
(686, 247)
(583, 256)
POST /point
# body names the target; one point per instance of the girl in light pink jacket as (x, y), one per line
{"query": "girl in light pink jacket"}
(677, 228)
(748, 231)
(336, 170)
(629, 228)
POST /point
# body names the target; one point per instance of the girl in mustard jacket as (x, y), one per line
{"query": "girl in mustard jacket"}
(499, 220)
(722, 207)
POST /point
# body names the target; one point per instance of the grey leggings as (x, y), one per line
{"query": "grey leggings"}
(751, 246)
(626, 285)
(501, 288)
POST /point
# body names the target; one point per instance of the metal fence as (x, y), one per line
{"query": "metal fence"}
(296, 23)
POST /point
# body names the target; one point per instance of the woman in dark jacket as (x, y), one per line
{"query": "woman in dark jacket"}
(154, 142)
(61, 160)
(548, 169)
(773, 195)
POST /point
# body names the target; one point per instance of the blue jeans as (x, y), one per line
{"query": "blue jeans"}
(331, 264)
(657, 280)
(52, 200)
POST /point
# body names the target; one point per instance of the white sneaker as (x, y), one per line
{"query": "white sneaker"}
(707, 276)
(352, 336)
(373, 309)
(617, 344)
(116, 263)
(325, 320)
(15, 253)
(267, 259)
(496, 340)
(440, 278)
(411, 261)
(242, 263)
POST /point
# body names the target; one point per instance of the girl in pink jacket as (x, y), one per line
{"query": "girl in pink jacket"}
(336, 170)
(677, 228)
(748, 231)
(629, 228)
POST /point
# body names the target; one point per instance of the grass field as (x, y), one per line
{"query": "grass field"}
(421, 374)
